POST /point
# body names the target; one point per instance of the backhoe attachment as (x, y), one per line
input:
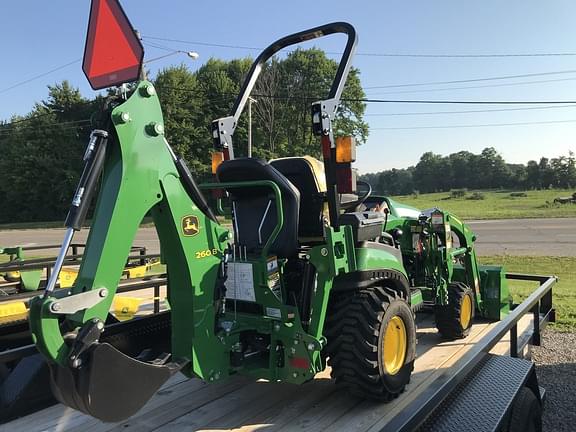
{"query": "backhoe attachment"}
(110, 377)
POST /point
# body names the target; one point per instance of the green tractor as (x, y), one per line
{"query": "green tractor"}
(440, 260)
(302, 277)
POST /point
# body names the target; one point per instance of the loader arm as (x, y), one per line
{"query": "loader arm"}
(466, 238)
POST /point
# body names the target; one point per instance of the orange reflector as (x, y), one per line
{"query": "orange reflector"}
(217, 159)
(113, 53)
(300, 362)
(345, 149)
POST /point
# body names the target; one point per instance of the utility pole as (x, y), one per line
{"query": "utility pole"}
(250, 100)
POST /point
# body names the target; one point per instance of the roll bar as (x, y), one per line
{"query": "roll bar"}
(223, 128)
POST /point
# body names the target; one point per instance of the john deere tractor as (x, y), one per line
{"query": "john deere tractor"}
(301, 276)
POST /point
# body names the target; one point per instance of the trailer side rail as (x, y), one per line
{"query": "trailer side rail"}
(539, 303)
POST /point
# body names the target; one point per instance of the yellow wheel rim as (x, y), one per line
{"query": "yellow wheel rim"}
(465, 312)
(394, 349)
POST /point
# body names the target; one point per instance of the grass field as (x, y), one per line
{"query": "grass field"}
(564, 292)
(496, 205)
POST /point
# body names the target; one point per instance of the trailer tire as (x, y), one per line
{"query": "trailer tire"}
(4, 372)
(526, 414)
(358, 329)
(455, 319)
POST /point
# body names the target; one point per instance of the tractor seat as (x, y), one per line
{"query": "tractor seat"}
(255, 207)
(307, 174)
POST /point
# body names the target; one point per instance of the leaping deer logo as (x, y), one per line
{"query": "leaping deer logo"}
(190, 225)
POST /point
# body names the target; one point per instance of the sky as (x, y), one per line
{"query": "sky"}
(37, 37)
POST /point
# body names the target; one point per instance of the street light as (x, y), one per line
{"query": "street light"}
(192, 54)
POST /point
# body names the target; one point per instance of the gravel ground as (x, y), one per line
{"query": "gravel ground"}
(556, 368)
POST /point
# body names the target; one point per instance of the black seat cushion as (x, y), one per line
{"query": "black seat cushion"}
(300, 174)
(251, 204)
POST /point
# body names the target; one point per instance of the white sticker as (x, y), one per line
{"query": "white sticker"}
(240, 282)
(272, 264)
(274, 312)
(437, 219)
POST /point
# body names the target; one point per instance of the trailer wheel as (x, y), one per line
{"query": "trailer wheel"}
(372, 343)
(455, 319)
(4, 372)
(526, 415)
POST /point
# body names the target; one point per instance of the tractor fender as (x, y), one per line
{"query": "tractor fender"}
(376, 277)
(376, 264)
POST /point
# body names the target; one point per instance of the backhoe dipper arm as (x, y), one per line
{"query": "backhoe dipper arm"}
(223, 128)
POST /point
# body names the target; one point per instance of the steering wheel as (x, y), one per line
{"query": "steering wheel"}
(368, 187)
(352, 205)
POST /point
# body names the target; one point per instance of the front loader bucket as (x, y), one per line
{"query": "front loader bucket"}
(109, 385)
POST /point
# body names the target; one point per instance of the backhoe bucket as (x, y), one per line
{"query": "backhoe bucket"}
(110, 385)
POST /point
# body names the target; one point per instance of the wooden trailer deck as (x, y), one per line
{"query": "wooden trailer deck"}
(240, 404)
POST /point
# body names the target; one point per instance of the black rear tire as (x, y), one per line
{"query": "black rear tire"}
(455, 319)
(356, 328)
(526, 414)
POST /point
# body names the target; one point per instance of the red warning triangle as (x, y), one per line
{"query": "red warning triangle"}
(113, 53)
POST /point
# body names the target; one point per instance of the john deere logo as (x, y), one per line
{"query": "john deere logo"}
(190, 225)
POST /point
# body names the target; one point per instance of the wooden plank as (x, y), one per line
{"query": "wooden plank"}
(323, 414)
(291, 405)
(249, 398)
(180, 405)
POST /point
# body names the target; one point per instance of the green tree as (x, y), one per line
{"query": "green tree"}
(427, 173)
(181, 100)
(461, 164)
(42, 156)
(493, 170)
(293, 83)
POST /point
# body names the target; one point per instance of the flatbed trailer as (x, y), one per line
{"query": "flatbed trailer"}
(467, 384)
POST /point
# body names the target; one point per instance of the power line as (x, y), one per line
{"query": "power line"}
(476, 125)
(468, 111)
(39, 76)
(489, 55)
(79, 123)
(493, 78)
(416, 55)
(158, 46)
(204, 43)
(2, 125)
(370, 100)
(478, 86)
(462, 102)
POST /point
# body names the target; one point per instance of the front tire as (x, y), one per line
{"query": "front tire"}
(454, 320)
(372, 343)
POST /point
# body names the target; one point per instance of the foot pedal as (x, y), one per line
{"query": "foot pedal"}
(416, 299)
(110, 385)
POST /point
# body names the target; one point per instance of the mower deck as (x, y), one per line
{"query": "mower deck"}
(242, 404)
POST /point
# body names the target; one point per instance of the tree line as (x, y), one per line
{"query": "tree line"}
(41, 152)
(466, 170)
